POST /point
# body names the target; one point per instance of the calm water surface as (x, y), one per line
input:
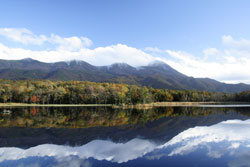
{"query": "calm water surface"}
(106, 137)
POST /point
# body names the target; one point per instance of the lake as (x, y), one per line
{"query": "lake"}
(106, 137)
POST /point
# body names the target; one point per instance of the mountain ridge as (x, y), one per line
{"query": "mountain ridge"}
(156, 74)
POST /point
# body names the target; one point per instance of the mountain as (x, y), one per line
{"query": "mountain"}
(156, 75)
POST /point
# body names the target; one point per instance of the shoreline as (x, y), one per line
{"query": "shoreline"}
(125, 106)
(53, 105)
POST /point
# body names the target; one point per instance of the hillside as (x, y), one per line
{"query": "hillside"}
(156, 75)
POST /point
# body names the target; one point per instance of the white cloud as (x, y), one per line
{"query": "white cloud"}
(23, 36)
(69, 48)
(240, 44)
(71, 43)
(232, 66)
(27, 37)
(210, 51)
(117, 53)
(98, 56)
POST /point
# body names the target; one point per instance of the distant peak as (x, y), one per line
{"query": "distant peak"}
(162, 65)
(157, 63)
(28, 59)
(75, 61)
(119, 65)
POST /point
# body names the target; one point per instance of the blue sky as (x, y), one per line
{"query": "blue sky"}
(193, 36)
(177, 24)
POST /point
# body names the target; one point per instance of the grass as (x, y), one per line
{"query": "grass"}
(163, 104)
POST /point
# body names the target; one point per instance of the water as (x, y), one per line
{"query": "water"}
(106, 137)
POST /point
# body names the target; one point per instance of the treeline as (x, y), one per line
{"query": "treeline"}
(77, 92)
(243, 96)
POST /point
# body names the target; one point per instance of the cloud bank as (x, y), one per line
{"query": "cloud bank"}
(230, 64)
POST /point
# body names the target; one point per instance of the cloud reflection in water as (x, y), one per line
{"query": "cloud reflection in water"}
(226, 138)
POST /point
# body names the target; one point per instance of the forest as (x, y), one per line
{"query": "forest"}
(84, 92)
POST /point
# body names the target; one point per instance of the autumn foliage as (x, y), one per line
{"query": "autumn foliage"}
(77, 92)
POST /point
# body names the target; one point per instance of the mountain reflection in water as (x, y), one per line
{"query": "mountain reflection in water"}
(218, 137)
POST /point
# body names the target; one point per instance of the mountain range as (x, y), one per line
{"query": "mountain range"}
(156, 75)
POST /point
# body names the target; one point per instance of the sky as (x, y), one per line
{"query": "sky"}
(207, 38)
